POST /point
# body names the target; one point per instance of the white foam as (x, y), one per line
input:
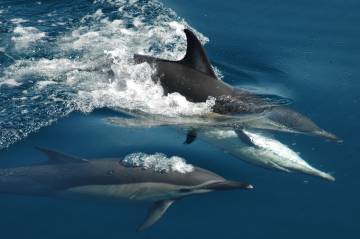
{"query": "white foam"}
(157, 162)
(51, 70)
(91, 66)
(42, 84)
(10, 83)
(26, 36)
(18, 20)
(131, 88)
(223, 134)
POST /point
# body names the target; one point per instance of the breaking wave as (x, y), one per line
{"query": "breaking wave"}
(81, 59)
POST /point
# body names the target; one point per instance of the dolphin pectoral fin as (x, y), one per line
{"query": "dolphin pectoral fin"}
(244, 137)
(155, 213)
(55, 157)
(190, 136)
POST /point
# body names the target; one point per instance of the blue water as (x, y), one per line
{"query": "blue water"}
(53, 94)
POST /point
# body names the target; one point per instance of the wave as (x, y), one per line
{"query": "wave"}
(90, 66)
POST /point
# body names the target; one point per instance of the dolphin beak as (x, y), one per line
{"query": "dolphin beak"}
(329, 136)
(227, 185)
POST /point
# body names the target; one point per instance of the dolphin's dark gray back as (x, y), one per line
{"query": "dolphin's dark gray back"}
(111, 179)
(62, 172)
(192, 76)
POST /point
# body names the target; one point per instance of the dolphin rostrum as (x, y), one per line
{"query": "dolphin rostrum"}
(136, 177)
(194, 78)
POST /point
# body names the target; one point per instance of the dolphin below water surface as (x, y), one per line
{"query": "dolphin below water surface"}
(249, 146)
(137, 177)
(260, 150)
(194, 78)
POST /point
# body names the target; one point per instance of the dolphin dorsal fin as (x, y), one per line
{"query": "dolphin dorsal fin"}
(195, 56)
(155, 213)
(55, 157)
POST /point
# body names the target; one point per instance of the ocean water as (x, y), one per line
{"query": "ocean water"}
(66, 68)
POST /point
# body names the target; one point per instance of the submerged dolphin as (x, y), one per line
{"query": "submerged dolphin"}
(194, 78)
(114, 179)
(243, 144)
(261, 150)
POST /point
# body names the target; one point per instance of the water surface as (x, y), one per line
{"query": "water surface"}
(57, 92)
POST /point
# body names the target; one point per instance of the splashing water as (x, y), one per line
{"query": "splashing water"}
(82, 63)
(157, 162)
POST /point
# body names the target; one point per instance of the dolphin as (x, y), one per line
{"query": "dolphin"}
(260, 150)
(113, 179)
(194, 77)
(251, 147)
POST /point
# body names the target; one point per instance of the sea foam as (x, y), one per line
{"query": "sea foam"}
(157, 162)
(90, 66)
(24, 37)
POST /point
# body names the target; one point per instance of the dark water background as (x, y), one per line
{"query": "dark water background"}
(308, 50)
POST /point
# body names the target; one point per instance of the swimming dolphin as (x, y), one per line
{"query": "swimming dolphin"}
(251, 147)
(260, 150)
(69, 176)
(194, 78)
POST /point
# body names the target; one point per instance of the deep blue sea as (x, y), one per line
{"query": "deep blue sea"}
(56, 92)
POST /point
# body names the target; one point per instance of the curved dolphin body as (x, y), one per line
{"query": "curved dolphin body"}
(248, 146)
(65, 175)
(194, 78)
(261, 150)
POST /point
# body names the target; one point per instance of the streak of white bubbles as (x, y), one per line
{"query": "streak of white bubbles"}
(157, 162)
(92, 67)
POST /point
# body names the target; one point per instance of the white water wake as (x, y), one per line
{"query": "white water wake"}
(90, 66)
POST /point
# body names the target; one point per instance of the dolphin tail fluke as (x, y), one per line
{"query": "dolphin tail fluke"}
(155, 213)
